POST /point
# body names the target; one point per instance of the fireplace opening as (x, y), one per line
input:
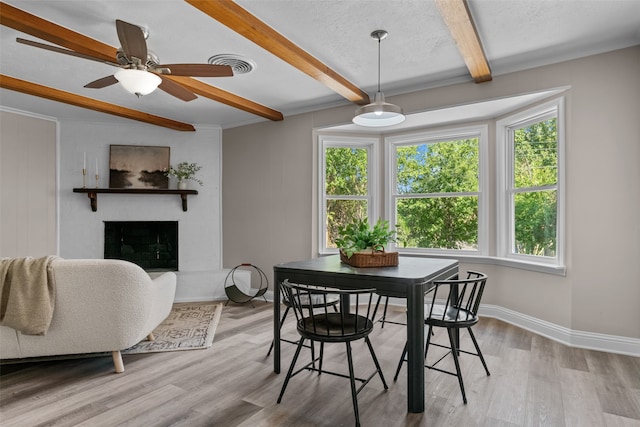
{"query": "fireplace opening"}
(153, 245)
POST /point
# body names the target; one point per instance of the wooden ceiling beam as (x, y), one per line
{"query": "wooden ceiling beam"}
(54, 33)
(457, 17)
(216, 94)
(244, 23)
(12, 83)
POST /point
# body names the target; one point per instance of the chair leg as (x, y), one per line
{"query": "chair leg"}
(375, 361)
(404, 353)
(313, 354)
(353, 384)
(429, 335)
(321, 357)
(375, 309)
(454, 352)
(284, 316)
(475, 343)
(293, 365)
(384, 313)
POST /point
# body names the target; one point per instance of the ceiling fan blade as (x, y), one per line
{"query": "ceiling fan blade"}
(103, 82)
(64, 51)
(132, 40)
(198, 70)
(176, 89)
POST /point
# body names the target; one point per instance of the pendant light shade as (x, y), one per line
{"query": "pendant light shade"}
(379, 113)
(138, 82)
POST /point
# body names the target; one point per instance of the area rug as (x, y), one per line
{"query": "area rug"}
(188, 327)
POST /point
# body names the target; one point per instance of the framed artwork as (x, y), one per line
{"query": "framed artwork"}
(138, 166)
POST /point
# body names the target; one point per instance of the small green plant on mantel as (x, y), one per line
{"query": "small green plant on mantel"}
(184, 171)
(358, 236)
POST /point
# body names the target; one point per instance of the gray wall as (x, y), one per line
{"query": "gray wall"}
(27, 185)
(269, 177)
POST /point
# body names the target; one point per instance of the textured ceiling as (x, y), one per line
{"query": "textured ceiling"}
(418, 53)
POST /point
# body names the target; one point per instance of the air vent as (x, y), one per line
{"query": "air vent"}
(239, 64)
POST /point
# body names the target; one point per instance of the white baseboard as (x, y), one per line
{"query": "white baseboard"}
(193, 286)
(572, 338)
(579, 339)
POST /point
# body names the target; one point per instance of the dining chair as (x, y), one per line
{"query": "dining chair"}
(452, 304)
(383, 318)
(312, 302)
(351, 322)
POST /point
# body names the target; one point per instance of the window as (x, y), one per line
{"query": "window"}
(437, 190)
(347, 184)
(530, 208)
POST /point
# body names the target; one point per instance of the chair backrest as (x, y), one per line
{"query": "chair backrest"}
(321, 320)
(455, 301)
(314, 301)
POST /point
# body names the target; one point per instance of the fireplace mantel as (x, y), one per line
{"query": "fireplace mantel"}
(92, 193)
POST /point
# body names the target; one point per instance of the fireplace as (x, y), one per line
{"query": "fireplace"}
(153, 245)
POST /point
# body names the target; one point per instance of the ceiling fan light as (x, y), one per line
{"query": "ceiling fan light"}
(138, 82)
(379, 113)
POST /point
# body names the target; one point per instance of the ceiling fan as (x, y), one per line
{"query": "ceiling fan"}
(140, 71)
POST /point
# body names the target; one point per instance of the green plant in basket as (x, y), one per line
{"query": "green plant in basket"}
(358, 236)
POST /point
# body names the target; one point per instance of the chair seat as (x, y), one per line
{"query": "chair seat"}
(306, 301)
(451, 317)
(335, 326)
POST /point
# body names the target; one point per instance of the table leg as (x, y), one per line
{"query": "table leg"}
(415, 350)
(345, 304)
(276, 324)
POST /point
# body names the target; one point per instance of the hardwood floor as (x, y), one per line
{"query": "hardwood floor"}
(534, 381)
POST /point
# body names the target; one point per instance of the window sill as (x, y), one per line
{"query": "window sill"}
(504, 262)
(479, 259)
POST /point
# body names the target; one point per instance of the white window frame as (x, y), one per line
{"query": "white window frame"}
(452, 134)
(505, 187)
(329, 141)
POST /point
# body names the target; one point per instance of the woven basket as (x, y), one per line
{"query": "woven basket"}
(371, 259)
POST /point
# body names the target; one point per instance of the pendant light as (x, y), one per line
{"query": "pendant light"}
(379, 112)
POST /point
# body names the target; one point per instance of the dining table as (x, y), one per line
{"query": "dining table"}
(410, 279)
